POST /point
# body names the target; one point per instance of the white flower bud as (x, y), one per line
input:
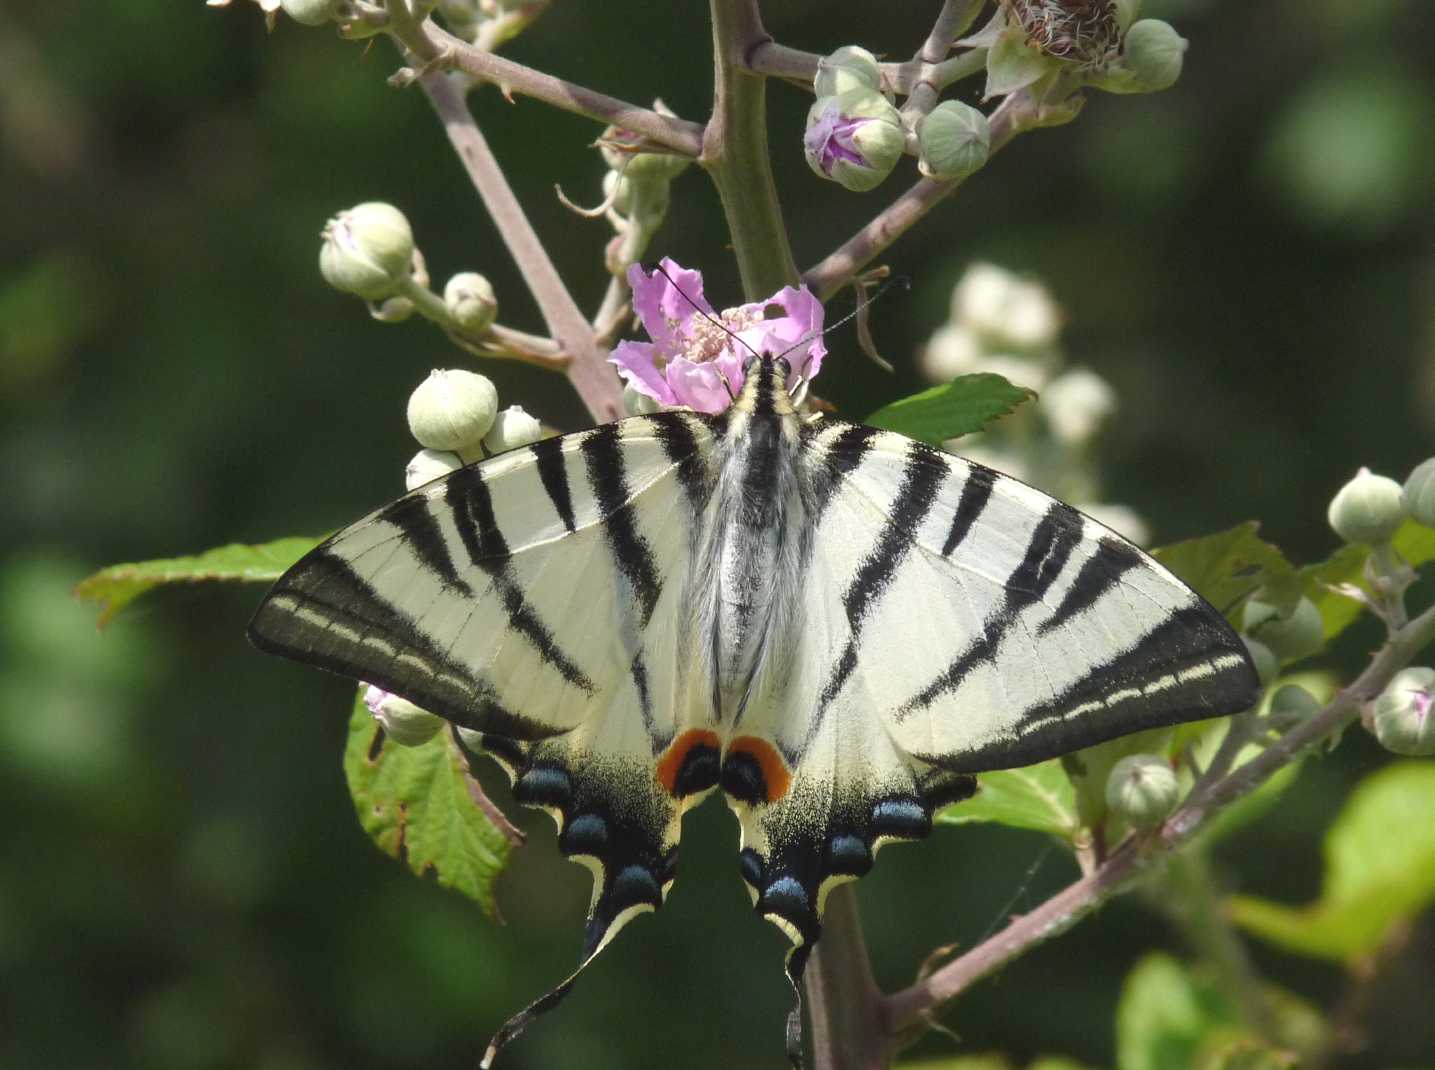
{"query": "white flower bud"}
(1290, 637)
(950, 352)
(1367, 509)
(1010, 312)
(1075, 403)
(512, 428)
(452, 410)
(855, 138)
(638, 403)
(468, 296)
(368, 250)
(954, 141)
(1151, 58)
(1267, 666)
(402, 721)
(310, 12)
(1142, 790)
(850, 67)
(1405, 713)
(428, 465)
(1418, 496)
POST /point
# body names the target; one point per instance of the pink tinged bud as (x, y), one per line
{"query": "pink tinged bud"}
(854, 138)
(1405, 713)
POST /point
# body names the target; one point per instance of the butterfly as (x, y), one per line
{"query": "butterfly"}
(834, 626)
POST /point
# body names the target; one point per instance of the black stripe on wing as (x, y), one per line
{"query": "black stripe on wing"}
(548, 453)
(1190, 667)
(1057, 534)
(422, 532)
(603, 453)
(323, 613)
(467, 495)
(922, 478)
(1100, 574)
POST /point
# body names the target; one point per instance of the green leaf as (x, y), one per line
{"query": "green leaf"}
(115, 587)
(1037, 797)
(1226, 567)
(964, 405)
(417, 804)
(1414, 542)
(1379, 871)
(1172, 1016)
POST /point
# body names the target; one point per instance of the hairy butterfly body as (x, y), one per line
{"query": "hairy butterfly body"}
(834, 626)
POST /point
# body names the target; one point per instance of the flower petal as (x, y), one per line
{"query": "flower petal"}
(637, 364)
(801, 323)
(701, 386)
(665, 307)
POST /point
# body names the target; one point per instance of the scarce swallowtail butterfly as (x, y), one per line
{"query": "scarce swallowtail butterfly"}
(834, 626)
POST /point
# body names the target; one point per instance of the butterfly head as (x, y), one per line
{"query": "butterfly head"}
(765, 386)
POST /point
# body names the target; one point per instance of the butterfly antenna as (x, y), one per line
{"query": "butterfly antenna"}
(863, 303)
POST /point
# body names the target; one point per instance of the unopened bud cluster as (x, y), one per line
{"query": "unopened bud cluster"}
(1052, 48)
(369, 251)
(1008, 324)
(1371, 508)
(454, 416)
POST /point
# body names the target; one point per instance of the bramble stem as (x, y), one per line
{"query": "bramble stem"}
(840, 266)
(905, 1009)
(434, 45)
(735, 154)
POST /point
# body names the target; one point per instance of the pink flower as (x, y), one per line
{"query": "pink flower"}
(692, 360)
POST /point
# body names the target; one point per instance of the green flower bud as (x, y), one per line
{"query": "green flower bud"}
(854, 139)
(1151, 59)
(1405, 713)
(1296, 635)
(1126, 12)
(1367, 509)
(310, 12)
(619, 151)
(1142, 790)
(368, 250)
(1292, 703)
(637, 403)
(850, 67)
(1418, 497)
(512, 427)
(452, 410)
(402, 721)
(954, 141)
(468, 296)
(1267, 666)
(428, 465)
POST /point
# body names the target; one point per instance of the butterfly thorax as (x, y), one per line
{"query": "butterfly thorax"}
(752, 544)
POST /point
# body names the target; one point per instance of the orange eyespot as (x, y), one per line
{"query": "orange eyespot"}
(777, 778)
(670, 765)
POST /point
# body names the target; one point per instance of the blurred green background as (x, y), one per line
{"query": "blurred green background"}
(1247, 257)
